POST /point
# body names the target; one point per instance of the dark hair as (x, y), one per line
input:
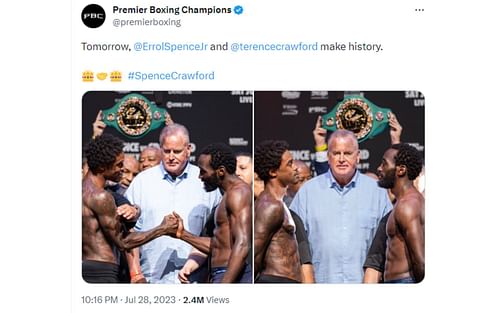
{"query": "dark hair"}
(102, 151)
(268, 157)
(221, 155)
(410, 157)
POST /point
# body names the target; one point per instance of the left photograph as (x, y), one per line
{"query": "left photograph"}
(167, 187)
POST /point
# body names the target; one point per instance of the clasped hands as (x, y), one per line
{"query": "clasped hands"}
(173, 225)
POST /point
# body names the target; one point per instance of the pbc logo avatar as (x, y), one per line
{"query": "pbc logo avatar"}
(93, 16)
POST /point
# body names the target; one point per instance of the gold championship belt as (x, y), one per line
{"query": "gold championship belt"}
(134, 116)
(359, 115)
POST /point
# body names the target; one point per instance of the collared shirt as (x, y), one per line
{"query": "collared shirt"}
(340, 223)
(158, 194)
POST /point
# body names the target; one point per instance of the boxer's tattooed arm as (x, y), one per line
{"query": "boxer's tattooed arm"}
(104, 207)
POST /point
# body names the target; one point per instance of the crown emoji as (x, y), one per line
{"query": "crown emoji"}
(115, 76)
(88, 76)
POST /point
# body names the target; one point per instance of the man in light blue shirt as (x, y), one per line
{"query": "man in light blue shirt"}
(171, 185)
(341, 210)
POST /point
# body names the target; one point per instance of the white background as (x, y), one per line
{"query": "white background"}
(449, 52)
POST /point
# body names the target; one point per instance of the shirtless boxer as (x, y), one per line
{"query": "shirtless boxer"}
(405, 254)
(102, 231)
(276, 249)
(230, 244)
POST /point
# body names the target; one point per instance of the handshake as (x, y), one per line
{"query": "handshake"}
(172, 225)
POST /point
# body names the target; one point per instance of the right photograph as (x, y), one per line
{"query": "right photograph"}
(339, 187)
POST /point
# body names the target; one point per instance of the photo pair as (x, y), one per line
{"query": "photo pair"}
(246, 186)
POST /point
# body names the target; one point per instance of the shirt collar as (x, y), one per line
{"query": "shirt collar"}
(170, 178)
(332, 182)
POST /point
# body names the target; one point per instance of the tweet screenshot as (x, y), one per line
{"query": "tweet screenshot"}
(251, 155)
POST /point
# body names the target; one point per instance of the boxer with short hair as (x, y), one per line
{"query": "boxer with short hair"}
(276, 249)
(230, 244)
(405, 254)
(102, 231)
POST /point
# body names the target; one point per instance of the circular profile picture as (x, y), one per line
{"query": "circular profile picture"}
(93, 15)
